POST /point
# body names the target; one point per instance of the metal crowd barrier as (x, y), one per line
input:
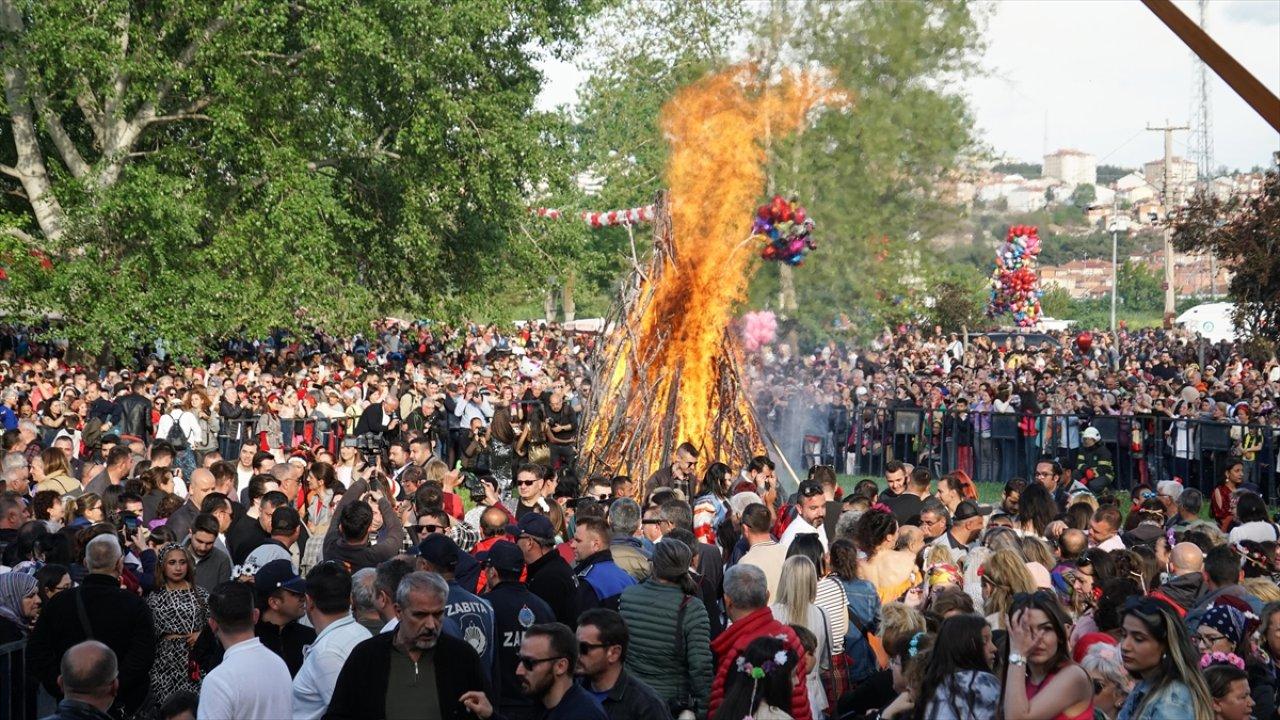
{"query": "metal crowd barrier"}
(13, 665)
(995, 447)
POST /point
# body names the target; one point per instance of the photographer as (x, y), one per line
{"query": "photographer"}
(562, 426)
(476, 455)
(354, 540)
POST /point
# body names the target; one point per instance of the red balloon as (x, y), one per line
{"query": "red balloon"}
(1084, 341)
(763, 212)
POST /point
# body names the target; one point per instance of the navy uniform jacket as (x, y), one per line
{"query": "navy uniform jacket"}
(515, 609)
(469, 617)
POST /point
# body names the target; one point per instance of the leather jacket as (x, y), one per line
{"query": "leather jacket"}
(135, 416)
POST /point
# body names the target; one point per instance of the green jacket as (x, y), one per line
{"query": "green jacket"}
(650, 610)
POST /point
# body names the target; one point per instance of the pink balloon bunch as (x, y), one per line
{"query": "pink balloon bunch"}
(759, 329)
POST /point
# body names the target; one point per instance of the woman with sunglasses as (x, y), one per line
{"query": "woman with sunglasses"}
(1155, 648)
(1111, 682)
(1224, 630)
(1040, 680)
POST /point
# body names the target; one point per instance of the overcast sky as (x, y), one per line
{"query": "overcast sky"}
(1102, 70)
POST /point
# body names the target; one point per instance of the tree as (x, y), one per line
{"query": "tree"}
(1084, 195)
(959, 300)
(640, 53)
(1138, 287)
(872, 174)
(1243, 232)
(238, 165)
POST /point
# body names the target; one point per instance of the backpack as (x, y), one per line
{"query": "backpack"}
(176, 436)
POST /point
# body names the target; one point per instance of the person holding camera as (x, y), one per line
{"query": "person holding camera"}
(476, 455)
(354, 541)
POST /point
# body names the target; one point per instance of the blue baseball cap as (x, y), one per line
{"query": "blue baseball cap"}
(503, 555)
(534, 525)
(278, 575)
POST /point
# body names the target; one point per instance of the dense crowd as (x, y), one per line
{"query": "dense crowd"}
(394, 527)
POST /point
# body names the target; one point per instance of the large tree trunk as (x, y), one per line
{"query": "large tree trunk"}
(30, 168)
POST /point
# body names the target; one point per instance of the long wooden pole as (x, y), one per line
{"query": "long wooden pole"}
(1262, 100)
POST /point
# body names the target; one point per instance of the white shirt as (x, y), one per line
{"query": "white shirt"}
(1111, 544)
(799, 526)
(251, 683)
(1257, 531)
(268, 551)
(186, 421)
(322, 661)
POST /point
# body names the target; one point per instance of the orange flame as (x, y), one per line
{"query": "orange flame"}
(674, 340)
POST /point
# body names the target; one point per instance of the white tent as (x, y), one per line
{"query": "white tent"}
(1211, 320)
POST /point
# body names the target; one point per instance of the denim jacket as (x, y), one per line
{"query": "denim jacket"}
(864, 605)
(1174, 701)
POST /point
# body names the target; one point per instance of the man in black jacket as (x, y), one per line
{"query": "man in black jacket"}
(380, 676)
(550, 577)
(97, 610)
(135, 413)
(602, 647)
(347, 540)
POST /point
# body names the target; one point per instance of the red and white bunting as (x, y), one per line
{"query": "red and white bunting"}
(610, 218)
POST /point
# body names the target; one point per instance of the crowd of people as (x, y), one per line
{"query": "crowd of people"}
(1162, 405)
(396, 528)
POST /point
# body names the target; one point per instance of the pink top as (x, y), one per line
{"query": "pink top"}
(1033, 688)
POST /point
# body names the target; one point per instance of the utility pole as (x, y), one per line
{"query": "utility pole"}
(1166, 192)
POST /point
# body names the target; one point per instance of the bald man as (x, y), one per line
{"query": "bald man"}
(200, 485)
(89, 681)
(1185, 586)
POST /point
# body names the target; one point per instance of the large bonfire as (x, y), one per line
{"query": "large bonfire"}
(671, 370)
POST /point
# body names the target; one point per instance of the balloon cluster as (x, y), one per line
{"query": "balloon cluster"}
(786, 227)
(759, 329)
(1015, 286)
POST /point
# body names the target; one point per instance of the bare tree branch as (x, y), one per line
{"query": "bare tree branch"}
(10, 171)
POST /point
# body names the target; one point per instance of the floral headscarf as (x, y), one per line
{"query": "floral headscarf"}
(14, 587)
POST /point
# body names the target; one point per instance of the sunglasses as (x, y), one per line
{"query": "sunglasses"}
(526, 483)
(810, 491)
(585, 648)
(529, 663)
(428, 528)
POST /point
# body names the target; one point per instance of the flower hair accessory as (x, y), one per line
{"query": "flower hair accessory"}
(757, 672)
(1221, 658)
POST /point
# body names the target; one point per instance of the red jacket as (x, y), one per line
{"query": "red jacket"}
(730, 643)
(1220, 506)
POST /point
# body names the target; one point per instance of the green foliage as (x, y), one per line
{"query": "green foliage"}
(959, 299)
(1108, 174)
(870, 174)
(294, 163)
(1084, 195)
(1025, 169)
(1057, 303)
(1244, 234)
(1138, 287)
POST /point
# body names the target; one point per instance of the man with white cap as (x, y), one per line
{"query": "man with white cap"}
(1094, 467)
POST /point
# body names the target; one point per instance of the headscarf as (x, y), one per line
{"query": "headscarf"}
(1226, 620)
(671, 560)
(14, 587)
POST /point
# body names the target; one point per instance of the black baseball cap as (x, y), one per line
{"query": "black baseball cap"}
(503, 555)
(970, 509)
(439, 550)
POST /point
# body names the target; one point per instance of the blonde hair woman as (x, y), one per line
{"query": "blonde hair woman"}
(57, 472)
(797, 591)
(1003, 576)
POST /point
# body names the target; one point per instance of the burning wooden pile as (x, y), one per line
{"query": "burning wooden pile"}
(641, 410)
(671, 370)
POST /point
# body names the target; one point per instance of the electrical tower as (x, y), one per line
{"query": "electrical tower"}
(1202, 123)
